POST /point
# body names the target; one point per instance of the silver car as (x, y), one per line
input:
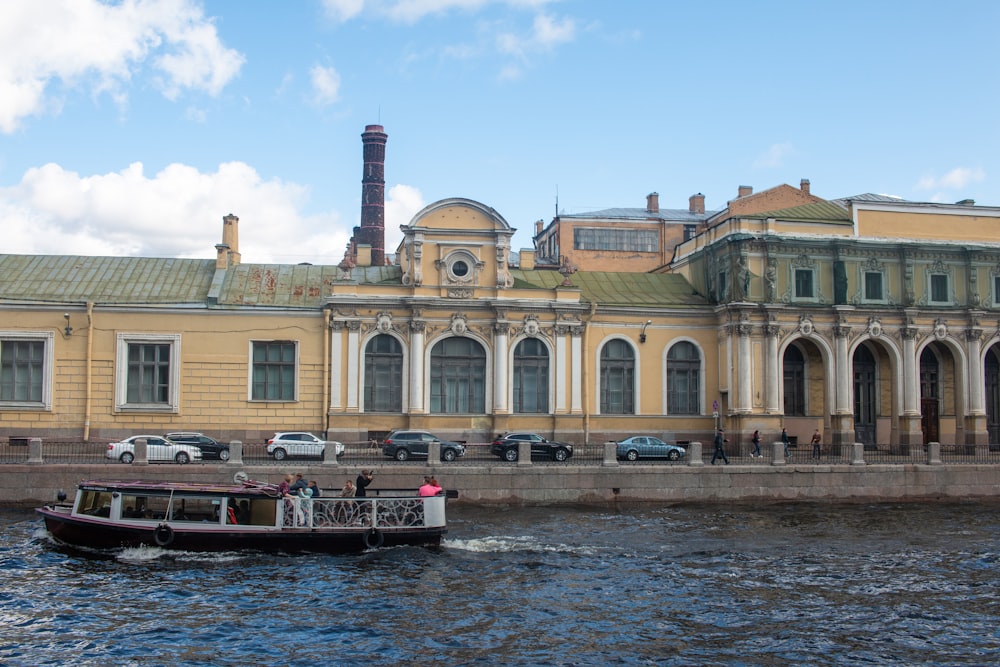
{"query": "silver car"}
(291, 444)
(158, 449)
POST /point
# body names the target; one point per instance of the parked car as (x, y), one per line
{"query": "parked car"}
(299, 444)
(647, 447)
(210, 447)
(402, 445)
(158, 449)
(506, 447)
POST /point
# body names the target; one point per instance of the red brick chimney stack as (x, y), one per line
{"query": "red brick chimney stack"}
(804, 185)
(744, 191)
(696, 203)
(372, 231)
(653, 202)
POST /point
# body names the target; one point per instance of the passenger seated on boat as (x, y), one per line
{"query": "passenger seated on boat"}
(430, 487)
(231, 512)
(243, 512)
(132, 513)
(314, 487)
(296, 486)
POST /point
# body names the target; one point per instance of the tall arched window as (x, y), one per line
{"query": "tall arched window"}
(458, 377)
(794, 365)
(383, 375)
(531, 376)
(617, 378)
(683, 379)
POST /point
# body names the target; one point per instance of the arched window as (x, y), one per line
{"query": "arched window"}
(383, 375)
(794, 365)
(531, 376)
(617, 378)
(683, 379)
(928, 374)
(458, 377)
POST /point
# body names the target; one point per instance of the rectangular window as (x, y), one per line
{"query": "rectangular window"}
(22, 364)
(873, 286)
(939, 288)
(996, 290)
(690, 231)
(609, 238)
(147, 373)
(274, 371)
(804, 284)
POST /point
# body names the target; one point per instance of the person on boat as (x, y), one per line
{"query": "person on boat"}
(285, 485)
(429, 488)
(314, 487)
(348, 491)
(296, 487)
(363, 480)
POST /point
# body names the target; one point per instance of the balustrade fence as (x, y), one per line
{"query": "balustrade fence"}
(365, 454)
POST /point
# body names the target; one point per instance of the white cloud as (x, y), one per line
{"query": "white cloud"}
(774, 156)
(175, 213)
(546, 33)
(343, 10)
(90, 44)
(956, 179)
(402, 203)
(411, 11)
(325, 85)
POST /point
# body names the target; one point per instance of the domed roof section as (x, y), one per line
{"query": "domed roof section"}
(457, 213)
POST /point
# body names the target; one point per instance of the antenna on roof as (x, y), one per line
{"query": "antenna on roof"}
(557, 201)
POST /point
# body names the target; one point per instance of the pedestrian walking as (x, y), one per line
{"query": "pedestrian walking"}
(720, 449)
(815, 443)
(784, 440)
(756, 445)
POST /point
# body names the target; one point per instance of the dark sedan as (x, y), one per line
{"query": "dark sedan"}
(210, 447)
(506, 447)
(403, 445)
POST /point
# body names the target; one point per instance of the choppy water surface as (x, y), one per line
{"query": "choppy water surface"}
(664, 585)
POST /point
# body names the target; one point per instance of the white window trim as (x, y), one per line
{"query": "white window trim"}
(864, 286)
(996, 291)
(947, 288)
(48, 338)
(295, 391)
(121, 372)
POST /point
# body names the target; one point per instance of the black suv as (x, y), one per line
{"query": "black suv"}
(506, 445)
(402, 445)
(210, 448)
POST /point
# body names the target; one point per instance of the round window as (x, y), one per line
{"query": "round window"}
(460, 268)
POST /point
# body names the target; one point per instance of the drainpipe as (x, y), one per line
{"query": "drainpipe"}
(586, 374)
(90, 368)
(326, 371)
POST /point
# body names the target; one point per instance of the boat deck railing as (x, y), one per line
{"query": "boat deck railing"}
(362, 513)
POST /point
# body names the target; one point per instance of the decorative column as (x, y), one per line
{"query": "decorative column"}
(910, 432)
(336, 364)
(353, 355)
(843, 415)
(576, 363)
(417, 328)
(500, 330)
(560, 365)
(975, 422)
(743, 365)
(771, 333)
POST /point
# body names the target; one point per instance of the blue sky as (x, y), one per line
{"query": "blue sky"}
(133, 127)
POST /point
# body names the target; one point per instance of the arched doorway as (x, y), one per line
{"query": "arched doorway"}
(865, 396)
(930, 396)
(992, 372)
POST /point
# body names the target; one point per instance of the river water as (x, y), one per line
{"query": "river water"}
(779, 584)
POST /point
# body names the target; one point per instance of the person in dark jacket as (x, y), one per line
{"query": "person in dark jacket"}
(720, 448)
(363, 480)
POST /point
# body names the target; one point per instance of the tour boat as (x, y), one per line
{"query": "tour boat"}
(243, 515)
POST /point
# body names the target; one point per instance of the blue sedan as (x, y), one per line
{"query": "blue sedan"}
(647, 447)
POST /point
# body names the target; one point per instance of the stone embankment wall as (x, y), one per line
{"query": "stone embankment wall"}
(28, 485)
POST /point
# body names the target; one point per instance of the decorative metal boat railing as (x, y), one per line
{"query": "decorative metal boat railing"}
(379, 512)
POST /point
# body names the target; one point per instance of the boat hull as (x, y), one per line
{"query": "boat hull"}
(94, 534)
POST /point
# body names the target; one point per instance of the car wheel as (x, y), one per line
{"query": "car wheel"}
(224, 455)
(402, 454)
(560, 455)
(182, 458)
(127, 457)
(632, 455)
(279, 454)
(448, 455)
(673, 455)
(510, 454)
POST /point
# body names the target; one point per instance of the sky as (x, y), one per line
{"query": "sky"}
(130, 128)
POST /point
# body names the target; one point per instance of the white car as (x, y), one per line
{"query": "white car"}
(299, 444)
(158, 448)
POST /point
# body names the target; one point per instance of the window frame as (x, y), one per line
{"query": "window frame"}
(253, 367)
(376, 365)
(811, 272)
(936, 277)
(628, 374)
(443, 374)
(882, 286)
(124, 341)
(541, 363)
(689, 368)
(47, 338)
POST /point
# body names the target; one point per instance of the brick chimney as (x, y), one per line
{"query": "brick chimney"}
(804, 185)
(744, 191)
(653, 202)
(696, 203)
(372, 231)
(227, 253)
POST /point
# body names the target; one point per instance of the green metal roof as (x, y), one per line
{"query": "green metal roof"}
(618, 289)
(110, 280)
(823, 211)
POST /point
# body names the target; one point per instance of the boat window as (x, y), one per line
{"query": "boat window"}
(196, 508)
(95, 503)
(136, 506)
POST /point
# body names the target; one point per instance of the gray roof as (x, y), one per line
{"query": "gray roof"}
(667, 215)
(868, 196)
